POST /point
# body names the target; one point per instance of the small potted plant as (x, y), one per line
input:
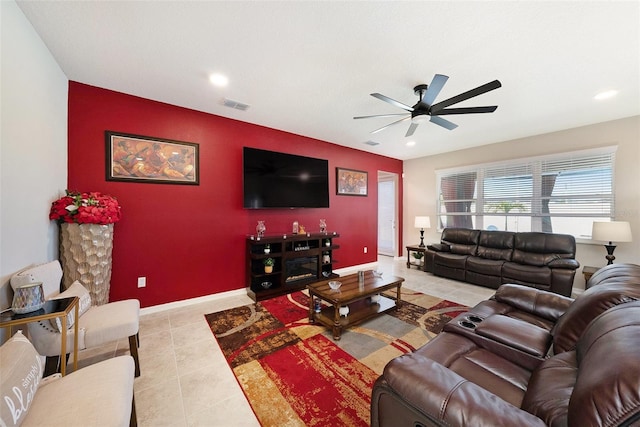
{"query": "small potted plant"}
(267, 248)
(418, 256)
(268, 265)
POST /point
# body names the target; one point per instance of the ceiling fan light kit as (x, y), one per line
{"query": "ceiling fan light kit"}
(425, 110)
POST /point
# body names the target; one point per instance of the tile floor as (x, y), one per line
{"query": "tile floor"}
(185, 380)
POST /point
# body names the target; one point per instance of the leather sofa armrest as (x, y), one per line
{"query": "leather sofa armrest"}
(515, 333)
(445, 396)
(439, 247)
(548, 305)
(571, 264)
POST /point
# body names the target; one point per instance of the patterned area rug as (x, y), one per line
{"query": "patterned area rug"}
(295, 374)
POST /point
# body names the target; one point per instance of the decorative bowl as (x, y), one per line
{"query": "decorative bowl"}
(266, 285)
(377, 274)
(334, 284)
(344, 310)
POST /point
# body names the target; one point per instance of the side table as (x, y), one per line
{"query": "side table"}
(587, 272)
(55, 308)
(417, 249)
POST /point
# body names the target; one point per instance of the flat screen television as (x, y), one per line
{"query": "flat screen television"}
(280, 180)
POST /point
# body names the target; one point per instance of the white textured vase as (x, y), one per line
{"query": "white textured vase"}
(85, 253)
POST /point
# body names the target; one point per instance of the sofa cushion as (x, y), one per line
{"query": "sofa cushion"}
(587, 307)
(540, 249)
(621, 272)
(75, 290)
(96, 395)
(110, 322)
(490, 371)
(550, 388)
(451, 260)
(20, 375)
(50, 274)
(490, 267)
(547, 305)
(539, 276)
(607, 391)
(461, 241)
(496, 245)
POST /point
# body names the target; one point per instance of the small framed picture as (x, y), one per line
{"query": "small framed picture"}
(137, 158)
(350, 182)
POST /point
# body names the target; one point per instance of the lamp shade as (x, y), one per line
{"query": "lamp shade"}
(422, 222)
(28, 298)
(611, 231)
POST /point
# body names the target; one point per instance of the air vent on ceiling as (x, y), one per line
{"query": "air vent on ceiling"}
(372, 143)
(235, 104)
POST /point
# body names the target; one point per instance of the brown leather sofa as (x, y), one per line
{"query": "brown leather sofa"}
(491, 258)
(526, 357)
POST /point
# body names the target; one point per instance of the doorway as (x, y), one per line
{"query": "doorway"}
(387, 213)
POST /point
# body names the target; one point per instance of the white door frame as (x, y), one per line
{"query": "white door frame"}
(389, 177)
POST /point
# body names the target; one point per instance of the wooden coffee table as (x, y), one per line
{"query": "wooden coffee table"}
(355, 295)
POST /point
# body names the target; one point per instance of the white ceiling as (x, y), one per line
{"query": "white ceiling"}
(308, 67)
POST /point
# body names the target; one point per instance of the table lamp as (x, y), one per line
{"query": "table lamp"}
(422, 222)
(611, 231)
(28, 298)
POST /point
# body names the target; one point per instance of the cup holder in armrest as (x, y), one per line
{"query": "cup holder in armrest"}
(474, 319)
(467, 324)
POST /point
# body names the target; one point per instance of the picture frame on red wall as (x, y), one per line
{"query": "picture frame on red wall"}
(137, 158)
(351, 182)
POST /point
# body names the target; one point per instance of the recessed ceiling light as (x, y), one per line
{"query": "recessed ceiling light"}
(411, 143)
(218, 79)
(605, 95)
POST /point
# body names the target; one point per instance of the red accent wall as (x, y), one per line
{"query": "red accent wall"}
(189, 240)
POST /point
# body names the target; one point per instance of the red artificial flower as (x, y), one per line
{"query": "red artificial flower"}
(86, 208)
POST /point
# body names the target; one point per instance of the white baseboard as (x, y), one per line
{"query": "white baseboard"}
(191, 301)
(239, 292)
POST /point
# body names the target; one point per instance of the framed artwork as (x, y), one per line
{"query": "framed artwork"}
(350, 182)
(137, 158)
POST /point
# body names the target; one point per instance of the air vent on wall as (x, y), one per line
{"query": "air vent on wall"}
(372, 143)
(235, 104)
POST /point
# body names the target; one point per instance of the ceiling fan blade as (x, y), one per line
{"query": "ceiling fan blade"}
(380, 115)
(391, 124)
(467, 110)
(434, 89)
(443, 122)
(466, 95)
(411, 129)
(392, 101)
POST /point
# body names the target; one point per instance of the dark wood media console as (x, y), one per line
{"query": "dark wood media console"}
(300, 259)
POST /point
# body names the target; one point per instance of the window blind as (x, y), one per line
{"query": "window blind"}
(563, 193)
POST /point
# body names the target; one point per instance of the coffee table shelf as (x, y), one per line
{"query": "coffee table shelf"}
(359, 311)
(355, 294)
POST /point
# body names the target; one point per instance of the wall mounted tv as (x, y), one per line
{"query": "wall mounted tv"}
(279, 180)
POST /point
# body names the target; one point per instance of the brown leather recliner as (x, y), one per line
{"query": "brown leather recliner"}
(491, 258)
(526, 357)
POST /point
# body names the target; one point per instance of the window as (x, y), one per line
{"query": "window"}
(563, 193)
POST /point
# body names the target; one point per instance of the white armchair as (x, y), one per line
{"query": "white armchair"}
(97, 325)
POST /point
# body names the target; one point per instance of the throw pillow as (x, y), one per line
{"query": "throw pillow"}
(75, 290)
(20, 375)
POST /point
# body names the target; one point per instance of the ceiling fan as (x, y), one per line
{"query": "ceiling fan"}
(425, 109)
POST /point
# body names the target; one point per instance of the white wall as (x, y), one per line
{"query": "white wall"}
(420, 179)
(33, 146)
